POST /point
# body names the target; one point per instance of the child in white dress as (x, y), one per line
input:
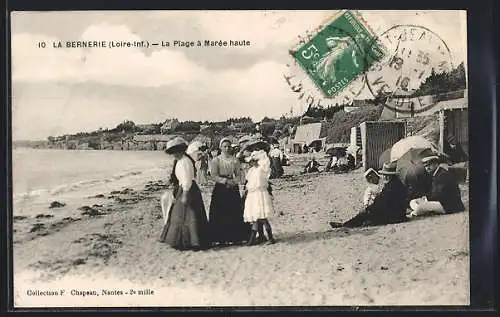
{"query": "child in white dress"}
(258, 202)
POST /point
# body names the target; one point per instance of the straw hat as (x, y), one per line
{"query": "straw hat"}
(388, 169)
(177, 144)
(430, 159)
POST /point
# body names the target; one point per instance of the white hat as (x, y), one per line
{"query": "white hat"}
(176, 144)
(371, 171)
(430, 159)
(225, 140)
(194, 147)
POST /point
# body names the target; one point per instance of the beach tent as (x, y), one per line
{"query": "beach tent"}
(406, 144)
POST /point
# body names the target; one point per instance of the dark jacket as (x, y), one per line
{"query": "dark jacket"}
(390, 205)
(455, 154)
(445, 190)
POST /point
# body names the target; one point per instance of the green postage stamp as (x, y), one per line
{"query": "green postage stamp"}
(340, 52)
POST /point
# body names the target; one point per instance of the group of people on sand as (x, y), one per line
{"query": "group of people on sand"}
(387, 200)
(233, 219)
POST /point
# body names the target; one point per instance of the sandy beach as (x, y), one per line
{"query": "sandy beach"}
(114, 246)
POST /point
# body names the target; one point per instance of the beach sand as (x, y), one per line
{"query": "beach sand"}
(420, 262)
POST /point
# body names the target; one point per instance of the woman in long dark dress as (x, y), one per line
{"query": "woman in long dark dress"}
(187, 224)
(226, 208)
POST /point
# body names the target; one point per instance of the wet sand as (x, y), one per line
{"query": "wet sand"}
(113, 246)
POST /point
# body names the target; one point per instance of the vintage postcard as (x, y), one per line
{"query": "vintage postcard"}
(240, 158)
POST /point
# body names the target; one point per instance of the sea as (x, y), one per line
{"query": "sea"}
(40, 176)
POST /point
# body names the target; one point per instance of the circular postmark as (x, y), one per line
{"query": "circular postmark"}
(413, 53)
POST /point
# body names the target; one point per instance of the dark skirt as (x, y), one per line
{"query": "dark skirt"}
(226, 216)
(276, 168)
(187, 224)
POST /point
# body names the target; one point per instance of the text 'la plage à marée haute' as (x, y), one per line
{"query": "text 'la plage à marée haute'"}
(146, 44)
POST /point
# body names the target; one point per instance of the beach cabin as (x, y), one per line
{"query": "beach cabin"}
(378, 136)
(307, 134)
(169, 126)
(454, 120)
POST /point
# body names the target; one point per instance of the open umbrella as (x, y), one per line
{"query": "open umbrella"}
(412, 142)
(256, 146)
(385, 157)
(336, 151)
(412, 172)
(315, 143)
(245, 138)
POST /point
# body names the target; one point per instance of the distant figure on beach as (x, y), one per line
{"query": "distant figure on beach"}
(312, 166)
(204, 165)
(187, 225)
(258, 200)
(444, 196)
(389, 206)
(226, 208)
(276, 156)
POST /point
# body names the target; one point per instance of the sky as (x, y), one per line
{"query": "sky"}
(67, 90)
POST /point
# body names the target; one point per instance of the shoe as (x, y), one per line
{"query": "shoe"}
(271, 241)
(251, 240)
(334, 224)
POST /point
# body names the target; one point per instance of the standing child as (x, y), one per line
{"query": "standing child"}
(258, 201)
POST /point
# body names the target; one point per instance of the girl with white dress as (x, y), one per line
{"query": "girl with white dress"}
(258, 201)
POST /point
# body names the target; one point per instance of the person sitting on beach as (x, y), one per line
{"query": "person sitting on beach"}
(444, 196)
(331, 164)
(373, 188)
(342, 165)
(312, 166)
(389, 206)
(351, 162)
(186, 224)
(454, 151)
(258, 200)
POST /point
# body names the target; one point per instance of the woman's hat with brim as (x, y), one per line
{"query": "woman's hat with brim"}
(175, 145)
(225, 140)
(388, 169)
(430, 159)
(371, 171)
(194, 147)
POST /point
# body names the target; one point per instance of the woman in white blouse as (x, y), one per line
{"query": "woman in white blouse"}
(187, 225)
(226, 207)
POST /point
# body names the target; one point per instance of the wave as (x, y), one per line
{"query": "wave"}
(72, 187)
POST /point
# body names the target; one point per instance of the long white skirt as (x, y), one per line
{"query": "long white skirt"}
(258, 205)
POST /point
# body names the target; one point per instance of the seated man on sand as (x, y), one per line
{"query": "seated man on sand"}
(444, 196)
(312, 166)
(389, 206)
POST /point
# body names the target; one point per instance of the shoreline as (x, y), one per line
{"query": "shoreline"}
(421, 262)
